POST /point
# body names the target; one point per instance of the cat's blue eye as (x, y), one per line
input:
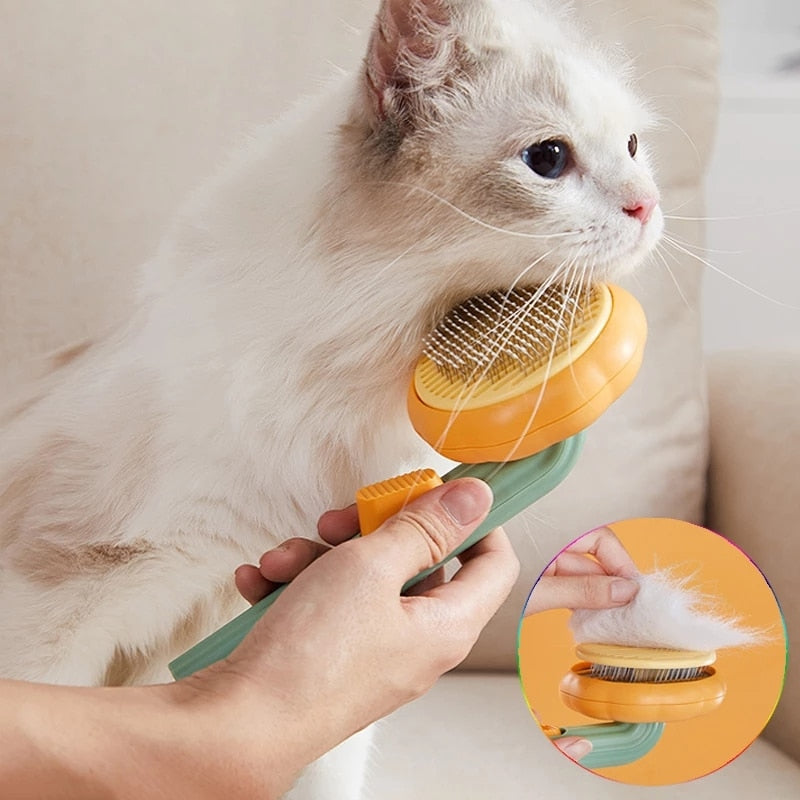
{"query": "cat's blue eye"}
(548, 159)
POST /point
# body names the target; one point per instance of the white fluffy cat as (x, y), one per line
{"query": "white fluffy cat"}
(262, 378)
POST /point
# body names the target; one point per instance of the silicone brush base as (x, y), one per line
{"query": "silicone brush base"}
(515, 485)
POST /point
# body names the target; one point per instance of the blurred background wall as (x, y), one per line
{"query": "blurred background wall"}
(754, 178)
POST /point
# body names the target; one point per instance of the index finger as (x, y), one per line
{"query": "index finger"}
(338, 525)
(609, 551)
(488, 573)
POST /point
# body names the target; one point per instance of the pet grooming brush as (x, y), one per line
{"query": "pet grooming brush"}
(506, 384)
(635, 690)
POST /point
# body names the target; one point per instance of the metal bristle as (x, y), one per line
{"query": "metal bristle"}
(492, 335)
(639, 675)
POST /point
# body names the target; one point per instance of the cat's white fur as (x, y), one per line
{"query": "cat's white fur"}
(666, 612)
(262, 377)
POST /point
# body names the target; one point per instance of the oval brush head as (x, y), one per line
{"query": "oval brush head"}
(641, 684)
(506, 375)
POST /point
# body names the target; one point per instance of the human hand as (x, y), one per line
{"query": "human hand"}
(593, 572)
(574, 747)
(285, 562)
(341, 647)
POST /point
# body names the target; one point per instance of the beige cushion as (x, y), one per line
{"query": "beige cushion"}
(113, 110)
(755, 435)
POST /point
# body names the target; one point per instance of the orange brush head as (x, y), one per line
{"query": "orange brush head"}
(506, 375)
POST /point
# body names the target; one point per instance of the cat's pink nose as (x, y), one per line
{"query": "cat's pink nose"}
(642, 208)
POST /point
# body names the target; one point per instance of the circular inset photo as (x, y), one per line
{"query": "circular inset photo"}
(652, 651)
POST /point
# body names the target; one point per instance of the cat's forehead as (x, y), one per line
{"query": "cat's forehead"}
(585, 92)
(552, 94)
(598, 98)
(539, 47)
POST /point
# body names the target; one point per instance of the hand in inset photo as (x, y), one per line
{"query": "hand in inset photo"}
(593, 572)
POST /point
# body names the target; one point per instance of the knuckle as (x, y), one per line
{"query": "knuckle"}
(356, 561)
(459, 647)
(424, 683)
(589, 589)
(409, 685)
(456, 638)
(307, 547)
(432, 531)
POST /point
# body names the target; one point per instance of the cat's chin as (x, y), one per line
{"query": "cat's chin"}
(621, 268)
(629, 262)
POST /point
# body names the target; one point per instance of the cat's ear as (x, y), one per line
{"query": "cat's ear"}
(412, 53)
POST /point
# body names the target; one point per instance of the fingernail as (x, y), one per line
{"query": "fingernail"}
(467, 501)
(622, 590)
(578, 750)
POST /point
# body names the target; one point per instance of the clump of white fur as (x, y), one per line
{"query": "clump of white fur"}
(666, 612)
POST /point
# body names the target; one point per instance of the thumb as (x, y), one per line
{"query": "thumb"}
(431, 527)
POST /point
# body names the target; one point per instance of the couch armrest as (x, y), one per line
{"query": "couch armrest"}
(754, 487)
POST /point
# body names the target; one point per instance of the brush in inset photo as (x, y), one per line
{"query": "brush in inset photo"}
(652, 651)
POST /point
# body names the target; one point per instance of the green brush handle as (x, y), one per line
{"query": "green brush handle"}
(616, 743)
(515, 485)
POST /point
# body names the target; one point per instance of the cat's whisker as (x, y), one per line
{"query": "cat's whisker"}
(506, 329)
(335, 68)
(466, 215)
(688, 138)
(714, 268)
(694, 246)
(661, 256)
(571, 326)
(525, 530)
(584, 284)
(508, 325)
(678, 207)
(527, 269)
(540, 397)
(682, 26)
(737, 218)
(379, 274)
(681, 67)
